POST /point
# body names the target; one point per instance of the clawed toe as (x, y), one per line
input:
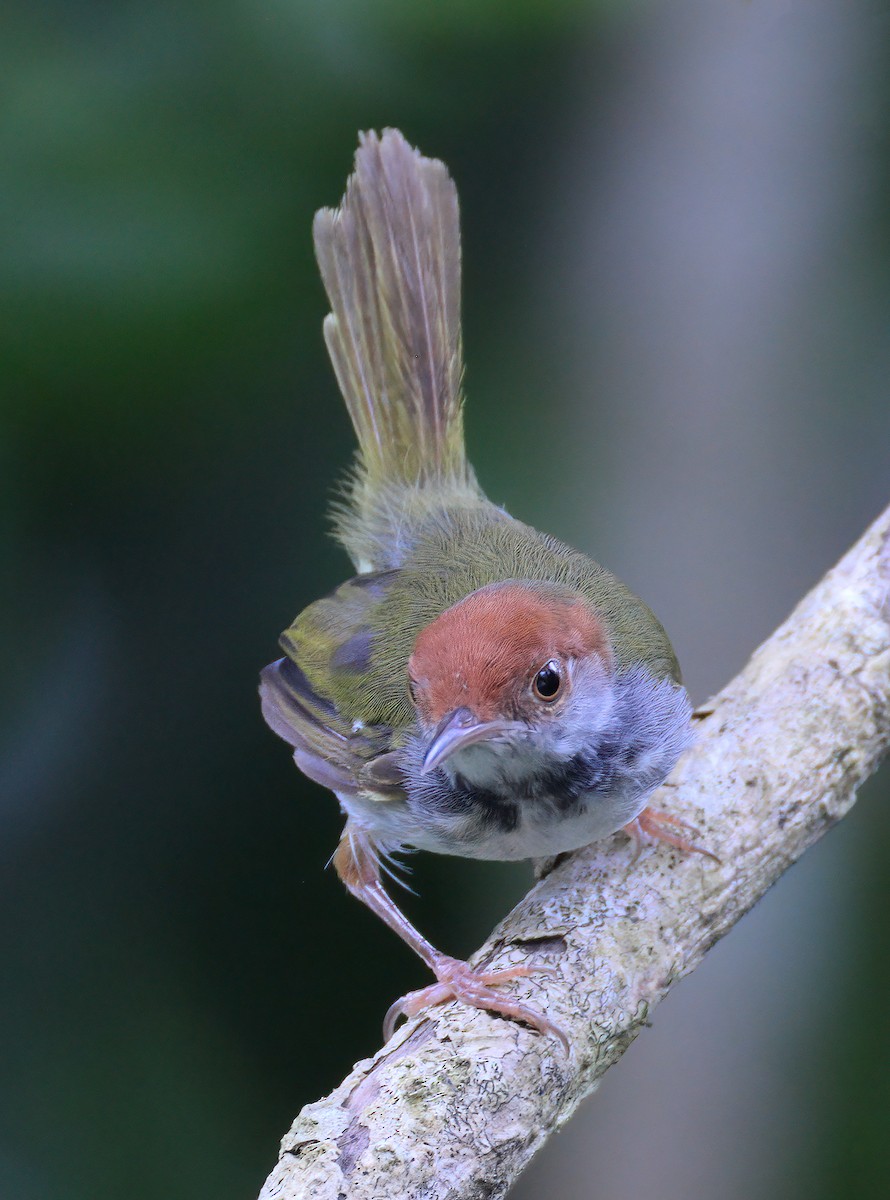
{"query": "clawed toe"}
(458, 981)
(411, 1004)
(662, 827)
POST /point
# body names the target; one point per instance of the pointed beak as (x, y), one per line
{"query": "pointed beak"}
(457, 730)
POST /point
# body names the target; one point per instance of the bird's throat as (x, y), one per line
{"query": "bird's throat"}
(499, 767)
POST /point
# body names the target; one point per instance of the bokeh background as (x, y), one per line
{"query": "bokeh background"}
(677, 292)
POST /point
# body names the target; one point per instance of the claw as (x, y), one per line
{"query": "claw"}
(664, 828)
(457, 980)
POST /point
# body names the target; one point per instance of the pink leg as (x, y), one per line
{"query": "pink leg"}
(356, 863)
(664, 828)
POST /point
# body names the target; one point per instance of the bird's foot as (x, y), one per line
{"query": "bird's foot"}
(660, 826)
(456, 980)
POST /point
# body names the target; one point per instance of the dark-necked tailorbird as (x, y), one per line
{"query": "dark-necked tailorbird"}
(477, 688)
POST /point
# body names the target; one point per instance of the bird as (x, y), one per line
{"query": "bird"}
(476, 688)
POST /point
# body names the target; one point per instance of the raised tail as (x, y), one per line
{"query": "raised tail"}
(390, 261)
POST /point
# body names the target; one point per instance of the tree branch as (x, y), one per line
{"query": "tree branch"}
(459, 1101)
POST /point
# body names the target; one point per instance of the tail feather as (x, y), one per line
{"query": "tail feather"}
(390, 261)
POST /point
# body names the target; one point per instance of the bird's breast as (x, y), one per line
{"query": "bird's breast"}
(531, 821)
(529, 818)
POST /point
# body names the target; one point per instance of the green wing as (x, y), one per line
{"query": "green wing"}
(307, 697)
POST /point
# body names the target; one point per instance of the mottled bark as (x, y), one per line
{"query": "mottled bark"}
(458, 1101)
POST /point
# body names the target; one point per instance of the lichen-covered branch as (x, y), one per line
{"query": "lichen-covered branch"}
(459, 1101)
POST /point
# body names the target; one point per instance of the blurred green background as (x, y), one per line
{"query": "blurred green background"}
(677, 290)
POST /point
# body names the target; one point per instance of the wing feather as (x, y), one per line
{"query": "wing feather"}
(330, 643)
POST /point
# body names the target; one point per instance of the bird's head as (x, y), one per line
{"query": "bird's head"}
(509, 678)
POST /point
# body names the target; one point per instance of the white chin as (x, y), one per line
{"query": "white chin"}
(490, 764)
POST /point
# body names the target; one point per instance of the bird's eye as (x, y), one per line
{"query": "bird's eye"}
(548, 681)
(412, 690)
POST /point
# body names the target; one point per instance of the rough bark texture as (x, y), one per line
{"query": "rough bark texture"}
(459, 1101)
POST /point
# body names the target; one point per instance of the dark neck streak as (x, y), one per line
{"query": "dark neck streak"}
(559, 787)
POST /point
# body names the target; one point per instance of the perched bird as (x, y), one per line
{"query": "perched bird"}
(478, 688)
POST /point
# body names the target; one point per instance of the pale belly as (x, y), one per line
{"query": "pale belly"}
(538, 832)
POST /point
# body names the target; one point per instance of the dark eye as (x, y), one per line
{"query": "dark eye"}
(412, 690)
(548, 681)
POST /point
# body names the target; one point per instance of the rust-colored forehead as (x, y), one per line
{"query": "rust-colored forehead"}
(488, 645)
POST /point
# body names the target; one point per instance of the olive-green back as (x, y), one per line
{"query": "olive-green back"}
(353, 646)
